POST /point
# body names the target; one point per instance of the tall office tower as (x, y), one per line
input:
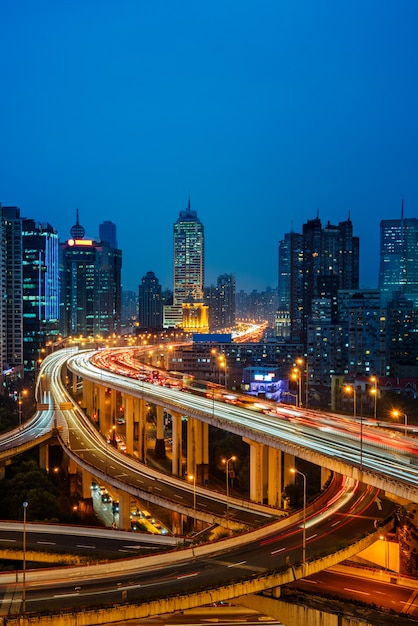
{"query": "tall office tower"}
(398, 271)
(129, 306)
(107, 233)
(188, 266)
(364, 331)
(221, 302)
(402, 337)
(150, 309)
(90, 286)
(40, 289)
(11, 291)
(315, 265)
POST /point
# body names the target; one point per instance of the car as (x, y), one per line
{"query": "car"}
(106, 498)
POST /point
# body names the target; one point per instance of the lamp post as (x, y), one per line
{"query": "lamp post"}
(296, 471)
(373, 391)
(22, 393)
(301, 362)
(227, 462)
(25, 506)
(397, 413)
(193, 478)
(352, 389)
(297, 378)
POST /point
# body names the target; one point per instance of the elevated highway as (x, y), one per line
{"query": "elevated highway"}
(372, 455)
(247, 564)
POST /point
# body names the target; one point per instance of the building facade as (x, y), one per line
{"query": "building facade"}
(398, 269)
(316, 264)
(40, 289)
(150, 308)
(90, 274)
(11, 307)
(188, 265)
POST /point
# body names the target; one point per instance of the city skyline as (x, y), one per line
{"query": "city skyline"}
(266, 117)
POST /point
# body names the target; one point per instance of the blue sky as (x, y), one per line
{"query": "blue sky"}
(265, 112)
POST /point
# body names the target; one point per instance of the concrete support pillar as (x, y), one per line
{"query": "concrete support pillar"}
(105, 425)
(159, 439)
(288, 465)
(177, 445)
(113, 405)
(129, 403)
(74, 384)
(44, 456)
(140, 428)
(203, 469)
(85, 484)
(274, 482)
(124, 510)
(72, 474)
(197, 449)
(258, 481)
(2, 471)
(325, 474)
(88, 393)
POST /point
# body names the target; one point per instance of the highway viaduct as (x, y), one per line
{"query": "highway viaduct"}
(132, 403)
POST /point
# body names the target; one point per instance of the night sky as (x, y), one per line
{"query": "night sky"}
(266, 112)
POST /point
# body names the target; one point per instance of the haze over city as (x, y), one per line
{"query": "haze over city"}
(265, 113)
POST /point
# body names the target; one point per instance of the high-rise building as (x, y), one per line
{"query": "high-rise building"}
(11, 276)
(221, 302)
(188, 266)
(364, 331)
(40, 289)
(107, 233)
(90, 286)
(150, 309)
(316, 265)
(402, 337)
(398, 271)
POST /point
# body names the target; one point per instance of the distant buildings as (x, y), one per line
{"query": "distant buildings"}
(40, 264)
(398, 270)
(11, 301)
(90, 280)
(318, 313)
(316, 264)
(150, 306)
(220, 299)
(188, 309)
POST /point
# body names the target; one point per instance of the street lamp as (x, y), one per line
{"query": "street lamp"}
(22, 393)
(226, 463)
(373, 391)
(296, 376)
(222, 365)
(296, 471)
(396, 413)
(301, 362)
(193, 478)
(352, 389)
(25, 506)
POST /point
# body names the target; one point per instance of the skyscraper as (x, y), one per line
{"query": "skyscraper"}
(316, 264)
(398, 271)
(150, 307)
(40, 288)
(188, 265)
(107, 233)
(90, 286)
(221, 302)
(11, 305)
